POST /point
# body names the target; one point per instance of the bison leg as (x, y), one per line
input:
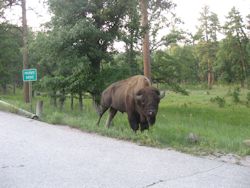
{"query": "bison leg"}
(134, 121)
(112, 113)
(102, 111)
(144, 125)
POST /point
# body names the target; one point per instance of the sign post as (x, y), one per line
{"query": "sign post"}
(30, 75)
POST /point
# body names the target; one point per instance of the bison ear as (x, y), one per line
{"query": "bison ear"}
(162, 94)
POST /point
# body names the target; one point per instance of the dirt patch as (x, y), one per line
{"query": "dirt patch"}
(231, 158)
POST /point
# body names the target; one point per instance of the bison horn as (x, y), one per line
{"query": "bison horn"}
(138, 97)
(162, 94)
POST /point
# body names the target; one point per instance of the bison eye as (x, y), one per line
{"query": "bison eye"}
(140, 100)
(142, 103)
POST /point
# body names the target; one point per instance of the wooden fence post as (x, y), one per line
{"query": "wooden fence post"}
(39, 108)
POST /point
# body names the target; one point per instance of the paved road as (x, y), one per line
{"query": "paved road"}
(36, 154)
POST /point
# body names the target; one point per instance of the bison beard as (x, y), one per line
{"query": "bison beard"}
(136, 97)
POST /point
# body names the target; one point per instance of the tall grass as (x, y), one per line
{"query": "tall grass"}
(219, 129)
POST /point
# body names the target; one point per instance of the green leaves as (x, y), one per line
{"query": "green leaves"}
(79, 40)
(167, 70)
(10, 54)
(233, 55)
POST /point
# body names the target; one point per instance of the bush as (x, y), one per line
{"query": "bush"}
(248, 99)
(229, 92)
(236, 95)
(220, 101)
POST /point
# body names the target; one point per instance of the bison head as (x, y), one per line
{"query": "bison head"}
(147, 101)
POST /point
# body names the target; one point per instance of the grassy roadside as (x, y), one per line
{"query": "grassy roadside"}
(218, 129)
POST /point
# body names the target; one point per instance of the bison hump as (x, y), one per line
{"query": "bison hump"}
(135, 83)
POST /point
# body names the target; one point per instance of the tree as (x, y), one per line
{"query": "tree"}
(10, 45)
(4, 4)
(10, 69)
(174, 37)
(22, 3)
(155, 14)
(248, 50)
(233, 55)
(167, 70)
(160, 17)
(25, 50)
(43, 56)
(188, 63)
(130, 35)
(145, 42)
(84, 33)
(248, 25)
(208, 44)
(1, 8)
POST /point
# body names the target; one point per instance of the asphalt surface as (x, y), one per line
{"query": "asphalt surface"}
(36, 154)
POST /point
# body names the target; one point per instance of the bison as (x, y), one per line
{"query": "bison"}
(136, 97)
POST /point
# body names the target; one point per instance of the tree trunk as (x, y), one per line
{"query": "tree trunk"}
(80, 101)
(95, 91)
(62, 99)
(14, 87)
(53, 99)
(131, 55)
(243, 72)
(4, 86)
(210, 78)
(71, 101)
(25, 50)
(145, 47)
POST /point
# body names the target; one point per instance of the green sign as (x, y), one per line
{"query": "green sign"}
(29, 75)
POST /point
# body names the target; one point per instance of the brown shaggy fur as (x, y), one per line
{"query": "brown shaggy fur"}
(121, 96)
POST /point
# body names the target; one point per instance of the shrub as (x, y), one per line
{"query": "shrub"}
(248, 99)
(229, 92)
(236, 95)
(220, 101)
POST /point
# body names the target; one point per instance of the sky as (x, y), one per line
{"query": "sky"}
(37, 14)
(187, 10)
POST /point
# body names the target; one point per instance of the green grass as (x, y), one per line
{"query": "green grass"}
(219, 129)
